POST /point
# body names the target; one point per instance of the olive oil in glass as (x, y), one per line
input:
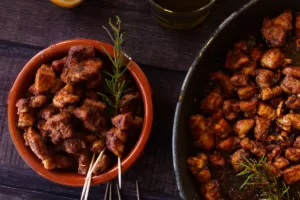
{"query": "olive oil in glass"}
(181, 14)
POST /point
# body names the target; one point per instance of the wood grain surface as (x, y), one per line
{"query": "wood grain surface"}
(164, 55)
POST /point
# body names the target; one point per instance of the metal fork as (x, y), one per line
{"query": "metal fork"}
(108, 191)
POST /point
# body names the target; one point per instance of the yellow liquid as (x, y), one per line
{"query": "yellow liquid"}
(182, 5)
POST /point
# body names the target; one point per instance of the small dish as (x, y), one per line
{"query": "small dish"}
(23, 82)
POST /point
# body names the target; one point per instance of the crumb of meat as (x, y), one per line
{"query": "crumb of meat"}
(65, 96)
(216, 159)
(272, 58)
(242, 127)
(44, 80)
(212, 102)
(115, 140)
(291, 174)
(224, 81)
(290, 85)
(237, 158)
(198, 167)
(102, 165)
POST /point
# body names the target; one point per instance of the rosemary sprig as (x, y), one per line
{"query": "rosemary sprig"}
(115, 86)
(260, 177)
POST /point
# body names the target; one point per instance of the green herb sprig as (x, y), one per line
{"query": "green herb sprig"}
(115, 86)
(258, 176)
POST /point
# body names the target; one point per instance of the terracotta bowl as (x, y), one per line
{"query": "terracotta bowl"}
(21, 85)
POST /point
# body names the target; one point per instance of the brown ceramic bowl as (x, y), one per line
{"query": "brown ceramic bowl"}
(22, 84)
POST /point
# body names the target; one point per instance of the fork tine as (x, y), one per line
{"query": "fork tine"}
(106, 191)
(137, 190)
(110, 191)
(118, 192)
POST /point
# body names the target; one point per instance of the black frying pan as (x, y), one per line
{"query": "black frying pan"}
(212, 57)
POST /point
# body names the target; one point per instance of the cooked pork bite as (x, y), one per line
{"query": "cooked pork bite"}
(212, 102)
(48, 111)
(229, 144)
(198, 167)
(242, 127)
(239, 80)
(222, 128)
(236, 59)
(92, 114)
(36, 144)
(237, 158)
(261, 129)
(73, 146)
(292, 71)
(58, 162)
(271, 171)
(44, 80)
(268, 93)
(26, 119)
(274, 30)
(84, 162)
(293, 102)
(290, 85)
(256, 53)
(126, 122)
(281, 163)
(272, 58)
(95, 82)
(247, 92)
(23, 106)
(65, 96)
(254, 147)
(245, 106)
(264, 78)
(210, 190)
(229, 114)
(102, 165)
(297, 143)
(57, 86)
(82, 52)
(130, 102)
(216, 159)
(292, 154)
(274, 151)
(266, 111)
(224, 81)
(58, 65)
(115, 140)
(59, 126)
(249, 68)
(81, 71)
(98, 145)
(291, 174)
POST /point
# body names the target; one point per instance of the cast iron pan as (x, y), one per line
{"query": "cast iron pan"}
(211, 58)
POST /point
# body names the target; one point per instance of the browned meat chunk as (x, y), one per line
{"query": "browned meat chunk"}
(73, 146)
(218, 115)
(274, 151)
(272, 58)
(268, 93)
(249, 68)
(241, 46)
(271, 171)
(290, 85)
(281, 163)
(246, 93)
(261, 129)
(292, 154)
(274, 30)
(36, 144)
(58, 85)
(293, 102)
(84, 163)
(284, 123)
(254, 147)
(130, 102)
(224, 82)
(198, 167)
(229, 114)
(115, 140)
(102, 165)
(291, 174)
(266, 111)
(212, 102)
(292, 71)
(264, 78)
(222, 128)
(236, 59)
(229, 144)
(275, 102)
(126, 122)
(237, 158)
(201, 130)
(81, 52)
(22, 105)
(95, 82)
(297, 143)
(26, 120)
(44, 80)
(58, 65)
(245, 106)
(48, 111)
(92, 114)
(239, 80)
(37, 101)
(65, 96)
(256, 53)
(81, 71)
(210, 191)
(98, 145)
(58, 162)
(294, 120)
(216, 159)
(242, 127)
(59, 126)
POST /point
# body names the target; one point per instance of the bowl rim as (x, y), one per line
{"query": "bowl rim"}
(72, 178)
(185, 84)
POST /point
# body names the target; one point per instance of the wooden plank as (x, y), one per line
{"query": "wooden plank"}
(40, 23)
(154, 169)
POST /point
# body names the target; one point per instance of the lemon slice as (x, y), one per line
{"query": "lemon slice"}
(67, 3)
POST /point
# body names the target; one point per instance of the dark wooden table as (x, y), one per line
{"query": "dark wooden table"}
(27, 26)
